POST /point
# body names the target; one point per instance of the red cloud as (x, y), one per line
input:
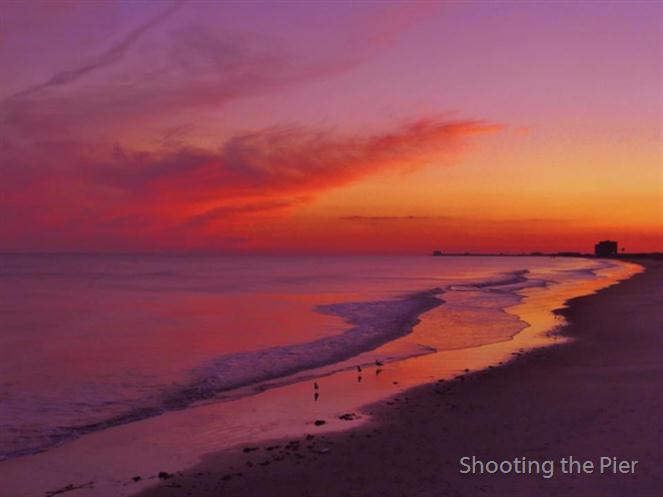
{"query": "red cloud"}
(284, 165)
(286, 160)
(130, 194)
(62, 186)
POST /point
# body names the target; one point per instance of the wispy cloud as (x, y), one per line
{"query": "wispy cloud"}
(381, 219)
(197, 69)
(111, 56)
(71, 172)
(186, 188)
(290, 160)
(193, 66)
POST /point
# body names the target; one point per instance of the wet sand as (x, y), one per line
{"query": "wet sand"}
(599, 395)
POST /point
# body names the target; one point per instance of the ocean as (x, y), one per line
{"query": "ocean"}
(93, 342)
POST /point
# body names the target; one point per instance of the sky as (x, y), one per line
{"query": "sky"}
(330, 127)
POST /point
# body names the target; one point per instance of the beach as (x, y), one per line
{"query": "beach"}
(597, 395)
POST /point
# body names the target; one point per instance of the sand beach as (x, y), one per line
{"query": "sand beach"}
(596, 398)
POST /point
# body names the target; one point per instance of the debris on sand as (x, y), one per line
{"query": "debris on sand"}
(69, 488)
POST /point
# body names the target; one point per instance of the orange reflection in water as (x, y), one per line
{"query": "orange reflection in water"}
(526, 325)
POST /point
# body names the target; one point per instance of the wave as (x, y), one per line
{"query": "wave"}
(505, 279)
(504, 283)
(372, 324)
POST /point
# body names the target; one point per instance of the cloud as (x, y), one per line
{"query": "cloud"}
(82, 190)
(287, 160)
(72, 174)
(380, 219)
(485, 220)
(111, 56)
(162, 71)
(197, 69)
(234, 209)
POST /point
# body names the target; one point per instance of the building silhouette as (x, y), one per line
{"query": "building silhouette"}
(606, 248)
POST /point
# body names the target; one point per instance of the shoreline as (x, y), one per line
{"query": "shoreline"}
(111, 459)
(394, 318)
(596, 395)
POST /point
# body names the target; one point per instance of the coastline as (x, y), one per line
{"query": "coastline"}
(600, 394)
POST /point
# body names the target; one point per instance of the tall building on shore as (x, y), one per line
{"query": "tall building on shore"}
(606, 248)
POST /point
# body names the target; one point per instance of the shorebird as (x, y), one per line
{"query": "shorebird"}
(315, 385)
(359, 369)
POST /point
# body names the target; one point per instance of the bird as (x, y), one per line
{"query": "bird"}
(378, 363)
(315, 385)
(359, 369)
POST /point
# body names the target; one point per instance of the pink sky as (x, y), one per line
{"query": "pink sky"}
(328, 127)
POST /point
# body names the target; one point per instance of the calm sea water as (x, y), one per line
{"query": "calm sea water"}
(90, 342)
